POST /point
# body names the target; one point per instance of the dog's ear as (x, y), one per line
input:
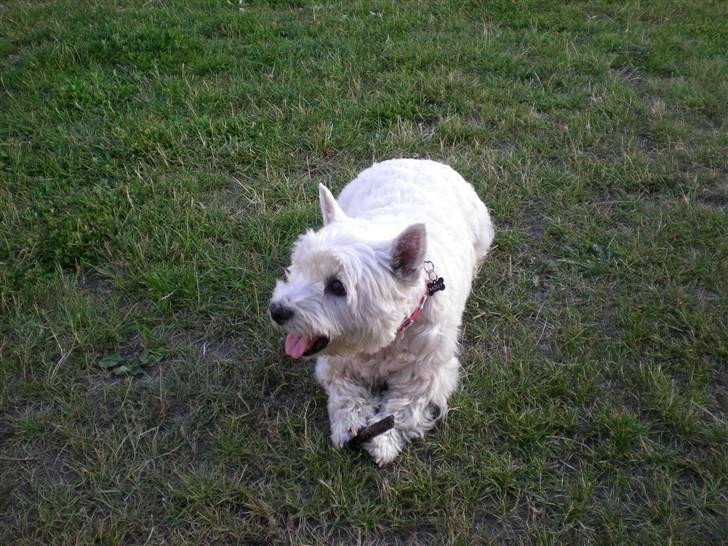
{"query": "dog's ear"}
(330, 209)
(408, 252)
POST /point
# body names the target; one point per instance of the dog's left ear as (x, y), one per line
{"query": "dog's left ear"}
(408, 252)
(330, 209)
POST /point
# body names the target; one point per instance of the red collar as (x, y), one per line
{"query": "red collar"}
(416, 313)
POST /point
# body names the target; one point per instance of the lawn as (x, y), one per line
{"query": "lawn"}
(158, 158)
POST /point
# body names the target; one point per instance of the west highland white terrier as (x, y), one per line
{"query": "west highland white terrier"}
(377, 295)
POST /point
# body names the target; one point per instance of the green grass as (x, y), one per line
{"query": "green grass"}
(158, 158)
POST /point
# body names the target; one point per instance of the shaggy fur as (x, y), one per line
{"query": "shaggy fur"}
(375, 239)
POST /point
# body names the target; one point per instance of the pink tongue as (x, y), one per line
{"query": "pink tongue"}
(297, 345)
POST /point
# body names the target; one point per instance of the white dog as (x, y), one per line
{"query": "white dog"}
(365, 294)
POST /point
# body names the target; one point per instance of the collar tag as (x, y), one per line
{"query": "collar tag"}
(434, 283)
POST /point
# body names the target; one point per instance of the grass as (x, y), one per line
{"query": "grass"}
(158, 158)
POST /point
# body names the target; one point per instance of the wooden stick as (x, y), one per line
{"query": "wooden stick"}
(375, 429)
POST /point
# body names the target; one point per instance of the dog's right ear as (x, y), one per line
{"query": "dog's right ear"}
(330, 209)
(408, 252)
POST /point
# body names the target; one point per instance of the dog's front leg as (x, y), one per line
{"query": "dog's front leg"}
(416, 400)
(412, 417)
(350, 404)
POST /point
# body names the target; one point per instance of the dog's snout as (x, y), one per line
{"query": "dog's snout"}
(280, 313)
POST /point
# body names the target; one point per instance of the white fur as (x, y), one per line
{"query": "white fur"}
(418, 366)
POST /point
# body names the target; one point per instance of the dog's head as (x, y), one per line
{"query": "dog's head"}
(349, 285)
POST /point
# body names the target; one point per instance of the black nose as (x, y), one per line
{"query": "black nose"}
(279, 313)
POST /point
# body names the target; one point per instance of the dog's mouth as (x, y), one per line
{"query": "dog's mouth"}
(298, 346)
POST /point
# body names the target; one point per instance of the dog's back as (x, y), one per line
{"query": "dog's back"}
(404, 191)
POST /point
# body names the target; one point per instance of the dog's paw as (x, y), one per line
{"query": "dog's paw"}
(385, 447)
(340, 435)
(345, 426)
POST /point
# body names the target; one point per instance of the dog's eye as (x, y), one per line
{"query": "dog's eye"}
(335, 287)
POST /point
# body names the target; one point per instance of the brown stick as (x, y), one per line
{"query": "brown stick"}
(375, 429)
